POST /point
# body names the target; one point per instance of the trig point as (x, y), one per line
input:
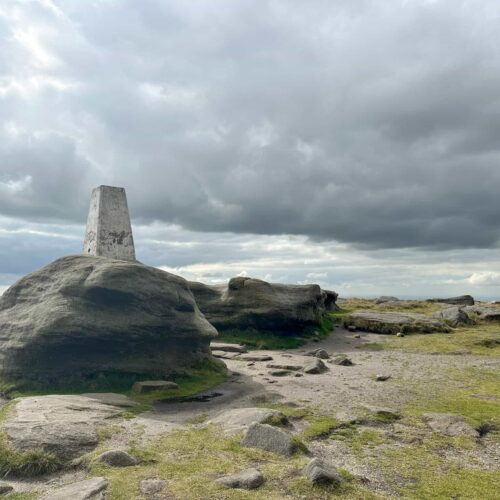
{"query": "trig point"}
(109, 233)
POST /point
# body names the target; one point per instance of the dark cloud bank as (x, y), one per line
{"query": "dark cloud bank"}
(370, 123)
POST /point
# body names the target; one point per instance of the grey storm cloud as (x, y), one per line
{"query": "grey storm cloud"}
(371, 123)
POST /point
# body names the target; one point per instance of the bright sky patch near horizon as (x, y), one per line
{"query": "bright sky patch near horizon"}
(350, 143)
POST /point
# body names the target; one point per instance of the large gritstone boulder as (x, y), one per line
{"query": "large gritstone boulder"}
(252, 303)
(463, 300)
(84, 315)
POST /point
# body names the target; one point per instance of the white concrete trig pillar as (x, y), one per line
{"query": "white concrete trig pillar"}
(109, 233)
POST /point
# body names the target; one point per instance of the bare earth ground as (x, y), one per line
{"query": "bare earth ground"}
(383, 458)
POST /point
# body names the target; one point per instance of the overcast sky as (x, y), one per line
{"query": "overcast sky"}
(352, 143)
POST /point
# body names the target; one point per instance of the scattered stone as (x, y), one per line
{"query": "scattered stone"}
(351, 328)
(240, 419)
(462, 300)
(66, 425)
(117, 458)
(315, 367)
(382, 378)
(248, 479)
(393, 322)
(269, 438)
(223, 346)
(341, 360)
(454, 316)
(152, 486)
(319, 473)
(82, 490)
(112, 399)
(357, 336)
(256, 357)
(281, 366)
(400, 334)
(225, 355)
(386, 298)
(319, 353)
(449, 424)
(279, 373)
(5, 488)
(153, 385)
(298, 374)
(251, 364)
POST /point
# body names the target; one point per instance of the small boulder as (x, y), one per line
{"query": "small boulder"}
(152, 486)
(5, 488)
(319, 473)
(341, 360)
(279, 373)
(153, 385)
(82, 490)
(225, 355)
(117, 458)
(449, 424)
(248, 479)
(319, 353)
(314, 367)
(400, 334)
(382, 377)
(269, 438)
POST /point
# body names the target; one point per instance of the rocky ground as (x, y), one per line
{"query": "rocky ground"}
(413, 416)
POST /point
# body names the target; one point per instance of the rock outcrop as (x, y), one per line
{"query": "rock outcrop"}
(454, 316)
(394, 322)
(248, 303)
(485, 313)
(85, 315)
(462, 300)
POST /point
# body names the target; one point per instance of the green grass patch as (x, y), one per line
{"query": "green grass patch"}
(482, 339)
(473, 393)
(319, 426)
(202, 377)
(258, 339)
(191, 459)
(449, 479)
(291, 412)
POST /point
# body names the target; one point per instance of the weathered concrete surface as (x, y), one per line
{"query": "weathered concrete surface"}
(109, 233)
(248, 303)
(85, 315)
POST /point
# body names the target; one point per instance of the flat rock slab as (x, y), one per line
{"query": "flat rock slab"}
(64, 425)
(256, 357)
(248, 479)
(284, 366)
(486, 313)
(240, 419)
(90, 489)
(225, 355)
(269, 438)
(449, 424)
(153, 385)
(462, 300)
(394, 322)
(222, 346)
(112, 399)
